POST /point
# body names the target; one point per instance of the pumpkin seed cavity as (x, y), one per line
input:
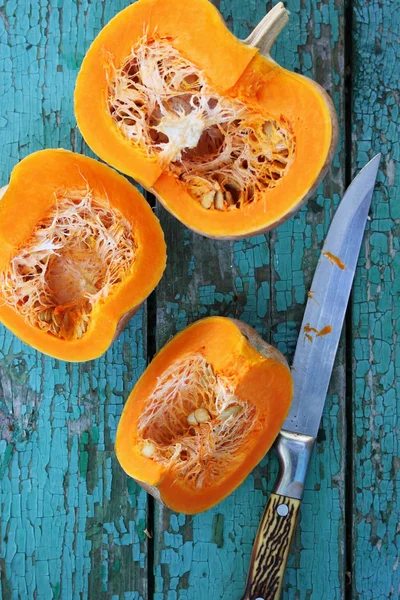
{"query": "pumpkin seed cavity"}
(193, 423)
(220, 149)
(76, 258)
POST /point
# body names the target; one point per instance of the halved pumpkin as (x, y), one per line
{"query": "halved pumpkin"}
(80, 250)
(203, 414)
(229, 142)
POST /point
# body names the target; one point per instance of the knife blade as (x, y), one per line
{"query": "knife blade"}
(326, 306)
(312, 368)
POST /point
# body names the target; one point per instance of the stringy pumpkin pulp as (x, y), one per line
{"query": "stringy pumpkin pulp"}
(76, 258)
(222, 151)
(198, 452)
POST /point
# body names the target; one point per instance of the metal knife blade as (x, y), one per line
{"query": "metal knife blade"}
(326, 307)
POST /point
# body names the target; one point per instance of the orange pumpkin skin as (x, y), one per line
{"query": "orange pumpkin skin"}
(241, 419)
(34, 184)
(237, 73)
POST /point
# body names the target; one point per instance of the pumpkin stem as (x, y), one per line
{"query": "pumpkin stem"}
(265, 33)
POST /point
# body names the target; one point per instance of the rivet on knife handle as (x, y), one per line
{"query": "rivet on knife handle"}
(271, 549)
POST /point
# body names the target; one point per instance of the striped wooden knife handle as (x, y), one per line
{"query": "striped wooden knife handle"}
(271, 549)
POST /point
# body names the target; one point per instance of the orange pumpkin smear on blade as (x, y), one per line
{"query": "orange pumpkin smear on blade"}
(85, 254)
(334, 260)
(230, 142)
(204, 413)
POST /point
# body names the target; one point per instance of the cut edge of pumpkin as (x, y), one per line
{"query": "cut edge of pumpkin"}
(108, 317)
(252, 361)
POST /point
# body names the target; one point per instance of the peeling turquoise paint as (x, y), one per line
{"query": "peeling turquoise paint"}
(51, 521)
(72, 524)
(376, 309)
(62, 492)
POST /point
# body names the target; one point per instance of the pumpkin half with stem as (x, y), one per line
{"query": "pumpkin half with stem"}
(227, 140)
(204, 413)
(80, 250)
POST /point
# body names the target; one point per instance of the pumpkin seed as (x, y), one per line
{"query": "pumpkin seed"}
(46, 316)
(219, 201)
(232, 411)
(202, 415)
(192, 419)
(207, 199)
(148, 450)
(267, 128)
(198, 186)
(228, 198)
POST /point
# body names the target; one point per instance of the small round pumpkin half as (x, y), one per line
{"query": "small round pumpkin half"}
(231, 143)
(80, 250)
(203, 414)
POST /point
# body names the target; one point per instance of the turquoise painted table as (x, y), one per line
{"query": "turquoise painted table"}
(72, 524)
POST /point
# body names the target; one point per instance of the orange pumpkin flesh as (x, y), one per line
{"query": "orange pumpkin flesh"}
(86, 253)
(228, 141)
(203, 414)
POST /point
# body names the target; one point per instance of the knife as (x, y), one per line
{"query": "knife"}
(312, 367)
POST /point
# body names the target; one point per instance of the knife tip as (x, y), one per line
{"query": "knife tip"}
(372, 166)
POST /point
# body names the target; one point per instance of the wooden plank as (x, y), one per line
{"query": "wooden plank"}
(376, 307)
(317, 566)
(263, 281)
(72, 524)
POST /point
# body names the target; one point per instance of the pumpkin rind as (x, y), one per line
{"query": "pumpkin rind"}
(259, 382)
(34, 184)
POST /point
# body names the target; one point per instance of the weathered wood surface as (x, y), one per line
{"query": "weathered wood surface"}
(72, 525)
(376, 308)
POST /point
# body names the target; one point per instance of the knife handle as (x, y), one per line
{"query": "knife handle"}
(278, 523)
(271, 548)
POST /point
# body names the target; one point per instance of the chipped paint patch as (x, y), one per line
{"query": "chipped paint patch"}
(62, 492)
(376, 307)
